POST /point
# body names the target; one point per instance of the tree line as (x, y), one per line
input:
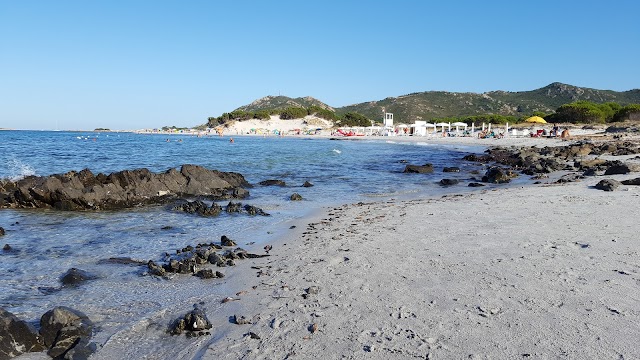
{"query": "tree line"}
(579, 112)
(348, 119)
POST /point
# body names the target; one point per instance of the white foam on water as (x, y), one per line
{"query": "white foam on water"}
(19, 170)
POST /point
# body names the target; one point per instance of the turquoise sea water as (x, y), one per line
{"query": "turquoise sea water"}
(46, 243)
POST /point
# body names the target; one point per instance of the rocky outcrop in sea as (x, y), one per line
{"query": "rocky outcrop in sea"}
(124, 189)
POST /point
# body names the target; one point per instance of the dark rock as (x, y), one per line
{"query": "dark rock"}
(451, 169)
(194, 321)
(240, 193)
(167, 227)
(449, 182)
(216, 259)
(419, 169)
(618, 169)
(209, 274)
(2, 232)
(233, 207)
(17, 336)
(478, 158)
(199, 207)
(496, 175)
(252, 210)
(307, 184)
(125, 189)
(155, 269)
(569, 178)
(295, 197)
(6, 247)
(475, 184)
(225, 241)
(608, 185)
(635, 181)
(75, 276)
(64, 329)
(272, 183)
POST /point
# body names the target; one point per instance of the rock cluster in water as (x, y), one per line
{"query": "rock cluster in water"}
(124, 189)
(198, 207)
(64, 333)
(194, 260)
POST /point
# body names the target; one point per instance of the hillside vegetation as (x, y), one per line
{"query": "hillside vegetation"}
(555, 102)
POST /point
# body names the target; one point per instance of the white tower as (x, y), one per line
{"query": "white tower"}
(388, 119)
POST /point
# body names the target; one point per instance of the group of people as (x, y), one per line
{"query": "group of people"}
(563, 135)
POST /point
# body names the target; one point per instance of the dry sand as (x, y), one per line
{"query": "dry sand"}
(544, 272)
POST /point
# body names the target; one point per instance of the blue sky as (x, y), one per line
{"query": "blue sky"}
(144, 64)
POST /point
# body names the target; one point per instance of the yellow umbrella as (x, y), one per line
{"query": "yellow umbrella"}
(536, 119)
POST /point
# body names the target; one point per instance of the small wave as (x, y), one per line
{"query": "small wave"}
(19, 170)
(337, 151)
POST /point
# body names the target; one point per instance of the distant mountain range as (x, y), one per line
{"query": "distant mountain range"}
(437, 104)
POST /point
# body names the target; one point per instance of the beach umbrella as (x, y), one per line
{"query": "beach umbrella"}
(536, 119)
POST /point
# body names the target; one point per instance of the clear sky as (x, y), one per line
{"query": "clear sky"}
(136, 64)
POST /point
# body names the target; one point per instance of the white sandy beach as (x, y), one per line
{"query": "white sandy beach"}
(549, 271)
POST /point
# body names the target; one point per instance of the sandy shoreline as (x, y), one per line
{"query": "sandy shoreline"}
(543, 272)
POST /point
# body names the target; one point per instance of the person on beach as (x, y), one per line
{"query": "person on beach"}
(565, 134)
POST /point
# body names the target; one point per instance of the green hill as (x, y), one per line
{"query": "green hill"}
(282, 102)
(438, 104)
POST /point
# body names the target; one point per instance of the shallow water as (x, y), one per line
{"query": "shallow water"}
(47, 243)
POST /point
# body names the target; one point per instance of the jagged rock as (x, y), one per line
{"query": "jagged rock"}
(475, 184)
(209, 274)
(66, 332)
(295, 197)
(75, 277)
(233, 207)
(125, 189)
(194, 321)
(216, 259)
(17, 336)
(272, 183)
(252, 210)
(449, 182)
(608, 185)
(419, 169)
(155, 269)
(307, 184)
(199, 207)
(2, 232)
(225, 241)
(451, 169)
(496, 175)
(635, 181)
(240, 193)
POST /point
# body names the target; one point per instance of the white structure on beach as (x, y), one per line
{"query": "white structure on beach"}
(388, 129)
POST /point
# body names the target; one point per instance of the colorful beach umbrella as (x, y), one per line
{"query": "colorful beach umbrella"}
(536, 119)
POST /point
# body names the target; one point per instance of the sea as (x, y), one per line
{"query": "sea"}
(122, 302)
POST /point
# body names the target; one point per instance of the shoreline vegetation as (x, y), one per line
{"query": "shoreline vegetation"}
(543, 271)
